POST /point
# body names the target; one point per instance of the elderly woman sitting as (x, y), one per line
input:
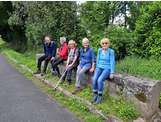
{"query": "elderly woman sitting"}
(105, 65)
(62, 55)
(87, 63)
(72, 61)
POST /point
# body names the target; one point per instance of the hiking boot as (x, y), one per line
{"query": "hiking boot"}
(99, 100)
(42, 74)
(94, 98)
(69, 81)
(37, 72)
(54, 72)
(59, 75)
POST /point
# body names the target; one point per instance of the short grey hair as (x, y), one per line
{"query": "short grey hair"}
(63, 39)
(85, 40)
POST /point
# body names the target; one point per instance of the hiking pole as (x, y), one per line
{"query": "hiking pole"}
(59, 81)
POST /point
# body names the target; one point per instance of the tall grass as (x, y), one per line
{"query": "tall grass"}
(150, 68)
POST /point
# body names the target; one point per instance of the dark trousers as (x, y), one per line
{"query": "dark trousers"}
(55, 64)
(68, 72)
(40, 60)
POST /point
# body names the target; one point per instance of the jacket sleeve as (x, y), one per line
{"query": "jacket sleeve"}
(93, 56)
(54, 47)
(112, 61)
(64, 51)
(97, 59)
(44, 48)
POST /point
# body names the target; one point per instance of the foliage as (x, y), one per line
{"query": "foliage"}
(5, 9)
(148, 30)
(97, 18)
(35, 19)
(121, 40)
(140, 66)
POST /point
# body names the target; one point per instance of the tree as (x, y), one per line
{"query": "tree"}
(148, 30)
(5, 9)
(35, 19)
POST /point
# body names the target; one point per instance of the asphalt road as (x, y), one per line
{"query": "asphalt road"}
(22, 101)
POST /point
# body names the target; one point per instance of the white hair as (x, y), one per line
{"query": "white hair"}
(62, 39)
(85, 40)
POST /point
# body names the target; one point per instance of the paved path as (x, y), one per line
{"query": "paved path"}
(21, 101)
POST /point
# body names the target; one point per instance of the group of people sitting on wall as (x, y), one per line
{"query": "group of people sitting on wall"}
(83, 60)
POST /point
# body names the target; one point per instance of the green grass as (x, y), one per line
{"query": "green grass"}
(110, 106)
(150, 68)
(1, 41)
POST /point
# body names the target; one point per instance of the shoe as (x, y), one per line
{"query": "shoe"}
(42, 74)
(59, 76)
(76, 90)
(54, 72)
(37, 72)
(99, 100)
(69, 82)
(94, 98)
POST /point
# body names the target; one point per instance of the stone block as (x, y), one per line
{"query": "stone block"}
(143, 92)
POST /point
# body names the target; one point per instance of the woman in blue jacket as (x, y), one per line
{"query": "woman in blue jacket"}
(86, 63)
(105, 65)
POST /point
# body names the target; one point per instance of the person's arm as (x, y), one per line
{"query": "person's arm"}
(112, 63)
(53, 54)
(93, 61)
(98, 55)
(75, 57)
(54, 50)
(44, 48)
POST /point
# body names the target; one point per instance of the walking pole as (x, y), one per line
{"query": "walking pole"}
(59, 81)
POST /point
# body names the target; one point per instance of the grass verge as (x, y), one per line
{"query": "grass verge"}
(79, 109)
(110, 106)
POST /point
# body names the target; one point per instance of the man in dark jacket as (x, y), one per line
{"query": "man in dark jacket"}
(49, 53)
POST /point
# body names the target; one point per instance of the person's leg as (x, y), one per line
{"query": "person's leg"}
(45, 65)
(64, 76)
(97, 73)
(40, 60)
(104, 75)
(52, 63)
(77, 84)
(56, 63)
(81, 75)
(69, 74)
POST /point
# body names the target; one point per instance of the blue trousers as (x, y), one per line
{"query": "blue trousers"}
(99, 77)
